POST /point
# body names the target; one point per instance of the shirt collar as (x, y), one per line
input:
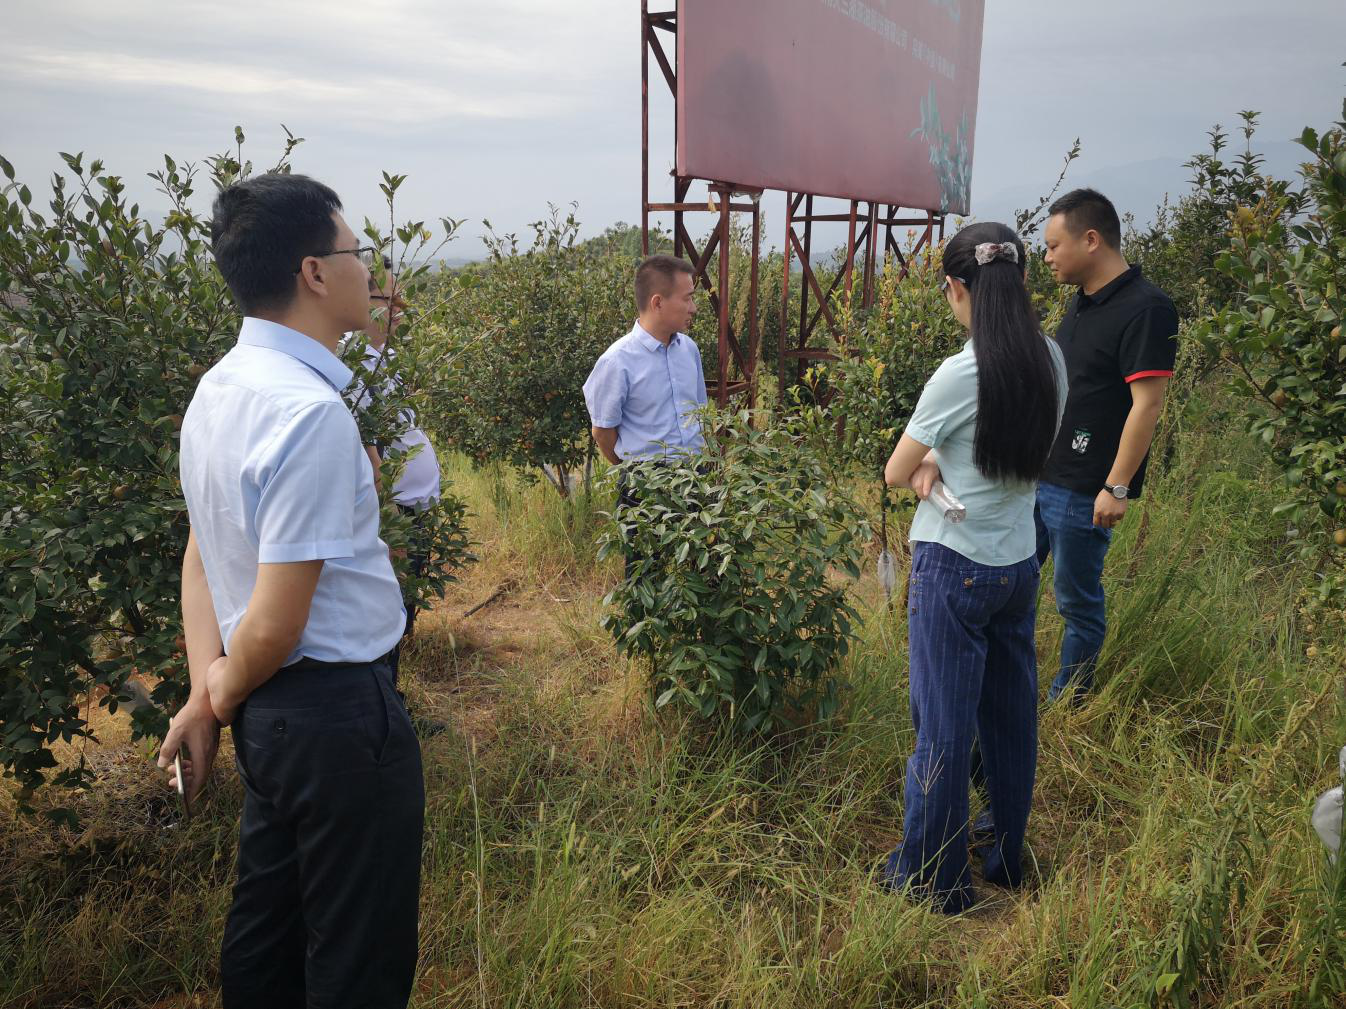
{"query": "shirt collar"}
(273, 336)
(1112, 287)
(649, 342)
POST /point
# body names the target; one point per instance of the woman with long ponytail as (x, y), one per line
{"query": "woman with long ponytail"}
(983, 428)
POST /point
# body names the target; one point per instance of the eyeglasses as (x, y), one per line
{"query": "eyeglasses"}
(944, 284)
(365, 252)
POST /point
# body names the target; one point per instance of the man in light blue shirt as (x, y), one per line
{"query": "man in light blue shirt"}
(290, 605)
(645, 389)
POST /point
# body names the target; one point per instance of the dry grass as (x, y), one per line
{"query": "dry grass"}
(581, 852)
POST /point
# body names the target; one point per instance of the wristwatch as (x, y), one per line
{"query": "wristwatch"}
(1117, 490)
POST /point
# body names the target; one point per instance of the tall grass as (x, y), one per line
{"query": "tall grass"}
(581, 852)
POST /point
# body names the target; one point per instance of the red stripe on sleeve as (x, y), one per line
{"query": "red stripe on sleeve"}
(1149, 374)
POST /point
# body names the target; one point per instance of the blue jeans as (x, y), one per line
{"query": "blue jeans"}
(1066, 531)
(973, 674)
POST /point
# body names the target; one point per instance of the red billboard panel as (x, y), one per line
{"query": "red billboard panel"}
(862, 99)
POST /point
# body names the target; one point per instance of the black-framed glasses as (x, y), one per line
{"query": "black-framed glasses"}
(365, 252)
(944, 284)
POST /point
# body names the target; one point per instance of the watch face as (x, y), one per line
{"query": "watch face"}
(1119, 492)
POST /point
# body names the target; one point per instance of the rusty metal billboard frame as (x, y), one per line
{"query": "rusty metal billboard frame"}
(862, 245)
(862, 241)
(726, 199)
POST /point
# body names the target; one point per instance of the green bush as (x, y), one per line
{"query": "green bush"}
(1282, 334)
(884, 357)
(732, 596)
(518, 339)
(108, 319)
(1179, 250)
(410, 367)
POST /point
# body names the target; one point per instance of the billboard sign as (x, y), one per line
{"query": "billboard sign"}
(861, 99)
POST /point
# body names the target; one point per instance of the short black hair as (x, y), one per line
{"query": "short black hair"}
(262, 228)
(1088, 209)
(655, 276)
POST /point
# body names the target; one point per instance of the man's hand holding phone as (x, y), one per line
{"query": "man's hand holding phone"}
(190, 746)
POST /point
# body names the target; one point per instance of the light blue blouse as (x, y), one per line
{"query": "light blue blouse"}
(999, 528)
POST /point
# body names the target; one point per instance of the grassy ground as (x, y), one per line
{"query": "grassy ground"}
(581, 852)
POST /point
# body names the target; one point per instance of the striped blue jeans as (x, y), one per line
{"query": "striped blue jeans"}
(973, 674)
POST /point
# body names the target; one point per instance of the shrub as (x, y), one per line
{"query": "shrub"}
(109, 319)
(410, 368)
(1179, 250)
(884, 357)
(732, 597)
(1282, 335)
(519, 338)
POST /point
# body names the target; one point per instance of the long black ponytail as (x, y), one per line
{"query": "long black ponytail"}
(1016, 384)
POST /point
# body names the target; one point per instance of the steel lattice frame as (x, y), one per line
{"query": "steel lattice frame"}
(862, 242)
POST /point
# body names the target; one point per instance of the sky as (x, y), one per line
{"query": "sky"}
(495, 109)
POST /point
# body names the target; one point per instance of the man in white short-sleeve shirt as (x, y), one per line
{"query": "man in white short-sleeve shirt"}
(290, 605)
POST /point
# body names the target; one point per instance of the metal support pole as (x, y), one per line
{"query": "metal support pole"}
(850, 249)
(871, 242)
(807, 260)
(679, 249)
(645, 31)
(754, 350)
(722, 393)
(785, 293)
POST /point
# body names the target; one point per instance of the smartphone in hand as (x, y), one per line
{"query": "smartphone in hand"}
(182, 785)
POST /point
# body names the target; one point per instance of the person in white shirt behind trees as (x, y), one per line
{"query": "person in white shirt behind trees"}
(419, 485)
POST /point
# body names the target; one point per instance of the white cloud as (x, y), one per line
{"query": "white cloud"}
(495, 107)
(364, 97)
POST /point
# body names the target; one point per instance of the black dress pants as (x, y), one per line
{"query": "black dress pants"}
(326, 905)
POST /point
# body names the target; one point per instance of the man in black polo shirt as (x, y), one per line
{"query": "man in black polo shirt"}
(1118, 340)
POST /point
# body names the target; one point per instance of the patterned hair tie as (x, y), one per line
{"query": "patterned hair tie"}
(988, 252)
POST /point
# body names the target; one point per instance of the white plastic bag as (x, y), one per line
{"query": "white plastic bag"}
(887, 572)
(1327, 812)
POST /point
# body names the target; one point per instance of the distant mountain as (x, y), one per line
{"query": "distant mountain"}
(1138, 187)
(455, 262)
